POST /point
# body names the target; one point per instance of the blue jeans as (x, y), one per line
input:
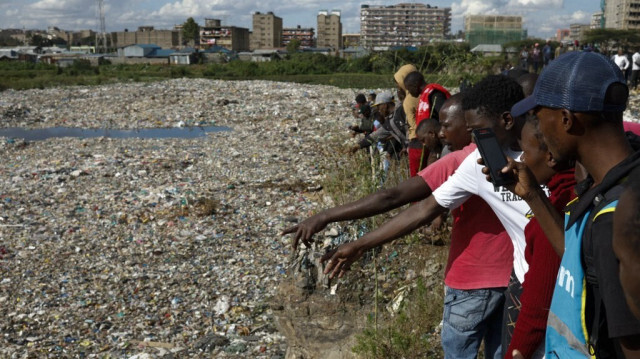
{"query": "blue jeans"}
(469, 317)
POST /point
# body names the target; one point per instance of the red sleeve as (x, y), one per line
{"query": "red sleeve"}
(537, 291)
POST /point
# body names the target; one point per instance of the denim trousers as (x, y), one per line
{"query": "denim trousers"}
(469, 317)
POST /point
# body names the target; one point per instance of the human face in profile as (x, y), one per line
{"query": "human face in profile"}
(535, 153)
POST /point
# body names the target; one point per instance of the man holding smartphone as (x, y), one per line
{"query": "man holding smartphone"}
(579, 100)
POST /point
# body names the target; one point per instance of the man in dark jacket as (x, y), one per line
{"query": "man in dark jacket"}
(579, 100)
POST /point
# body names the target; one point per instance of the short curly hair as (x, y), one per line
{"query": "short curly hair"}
(493, 95)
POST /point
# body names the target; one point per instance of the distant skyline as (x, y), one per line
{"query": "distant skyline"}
(541, 17)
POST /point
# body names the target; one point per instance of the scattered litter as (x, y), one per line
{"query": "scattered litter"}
(143, 248)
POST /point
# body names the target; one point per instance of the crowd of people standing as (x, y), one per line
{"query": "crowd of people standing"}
(545, 266)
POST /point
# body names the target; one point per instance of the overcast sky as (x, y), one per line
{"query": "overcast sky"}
(542, 17)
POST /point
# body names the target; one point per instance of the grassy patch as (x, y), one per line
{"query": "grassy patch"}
(21, 76)
(412, 331)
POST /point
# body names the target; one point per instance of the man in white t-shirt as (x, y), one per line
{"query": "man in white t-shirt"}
(621, 60)
(483, 110)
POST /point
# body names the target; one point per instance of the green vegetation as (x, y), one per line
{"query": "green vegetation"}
(191, 31)
(442, 63)
(518, 45)
(293, 46)
(611, 39)
(412, 332)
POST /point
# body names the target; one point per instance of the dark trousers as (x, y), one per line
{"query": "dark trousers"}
(536, 66)
(634, 79)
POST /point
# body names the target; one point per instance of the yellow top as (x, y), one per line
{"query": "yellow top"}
(410, 104)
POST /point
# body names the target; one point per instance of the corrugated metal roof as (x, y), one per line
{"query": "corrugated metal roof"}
(215, 49)
(487, 48)
(147, 46)
(162, 53)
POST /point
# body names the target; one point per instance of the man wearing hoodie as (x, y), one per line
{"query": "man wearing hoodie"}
(410, 103)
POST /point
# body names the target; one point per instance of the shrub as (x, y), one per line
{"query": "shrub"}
(179, 71)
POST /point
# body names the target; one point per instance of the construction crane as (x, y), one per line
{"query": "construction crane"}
(101, 36)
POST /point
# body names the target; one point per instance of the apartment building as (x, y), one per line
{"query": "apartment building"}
(351, 40)
(306, 36)
(578, 31)
(563, 35)
(166, 39)
(329, 29)
(405, 24)
(229, 37)
(597, 20)
(622, 14)
(493, 29)
(267, 31)
(70, 37)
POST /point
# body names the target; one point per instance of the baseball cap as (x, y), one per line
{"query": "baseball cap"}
(576, 81)
(384, 97)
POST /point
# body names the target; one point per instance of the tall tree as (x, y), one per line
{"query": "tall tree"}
(191, 31)
(38, 40)
(293, 46)
(612, 38)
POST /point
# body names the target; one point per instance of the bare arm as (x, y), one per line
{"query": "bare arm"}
(404, 223)
(411, 190)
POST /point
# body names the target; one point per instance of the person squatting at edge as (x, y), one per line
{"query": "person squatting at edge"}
(391, 132)
(480, 256)
(579, 101)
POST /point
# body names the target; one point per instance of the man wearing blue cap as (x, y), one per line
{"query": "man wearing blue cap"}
(579, 100)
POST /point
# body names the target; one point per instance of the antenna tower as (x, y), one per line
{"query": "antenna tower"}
(101, 36)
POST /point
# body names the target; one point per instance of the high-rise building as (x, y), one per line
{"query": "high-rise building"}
(403, 24)
(578, 31)
(563, 35)
(267, 31)
(493, 29)
(351, 40)
(622, 14)
(329, 29)
(167, 39)
(596, 20)
(306, 35)
(229, 37)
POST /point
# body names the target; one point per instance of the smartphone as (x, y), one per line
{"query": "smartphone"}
(493, 157)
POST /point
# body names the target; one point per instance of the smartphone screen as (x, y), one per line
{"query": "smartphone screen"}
(492, 155)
